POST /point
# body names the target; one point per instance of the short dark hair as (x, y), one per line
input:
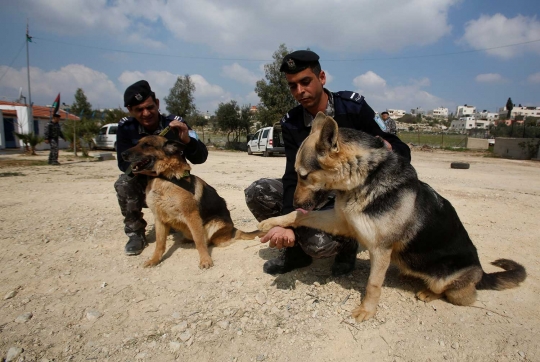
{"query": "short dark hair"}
(384, 113)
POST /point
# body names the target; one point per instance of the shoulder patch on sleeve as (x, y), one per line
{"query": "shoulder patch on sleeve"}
(352, 96)
(380, 123)
(124, 120)
(172, 117)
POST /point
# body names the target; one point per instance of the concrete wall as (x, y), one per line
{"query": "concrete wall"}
(510, 148)
(477, 143)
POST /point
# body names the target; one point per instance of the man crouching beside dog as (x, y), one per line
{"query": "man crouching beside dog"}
(145, 120)
(268, 198)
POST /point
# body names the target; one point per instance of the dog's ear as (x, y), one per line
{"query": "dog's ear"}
(328, 138)
(172, 148)
(318, 121)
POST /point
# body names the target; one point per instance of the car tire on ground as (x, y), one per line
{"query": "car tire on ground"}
(249, 151)
(266, 153)
(115, 146)
(460, 165)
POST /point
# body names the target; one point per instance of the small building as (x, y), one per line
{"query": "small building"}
(418, 111)
(465, 110)
(519, 110)
(14, 118)
(440, 112)
(395, 113)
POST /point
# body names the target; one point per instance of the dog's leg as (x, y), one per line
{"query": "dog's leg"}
(380, 261)
(427, 295)
(325, 220)
(162, 231)
(201, 243)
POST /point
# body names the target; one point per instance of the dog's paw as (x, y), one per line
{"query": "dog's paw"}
(206, 263)
(361, 313)
(150, 263)
(427, 295)
(265, 225)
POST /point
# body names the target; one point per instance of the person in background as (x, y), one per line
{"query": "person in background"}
(53, 130)
(389, 123)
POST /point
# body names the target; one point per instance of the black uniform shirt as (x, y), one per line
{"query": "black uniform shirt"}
(130, 132)
(350, 111)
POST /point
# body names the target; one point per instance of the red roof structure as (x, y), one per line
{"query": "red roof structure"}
(40, 112)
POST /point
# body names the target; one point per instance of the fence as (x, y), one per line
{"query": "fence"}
(436, 140)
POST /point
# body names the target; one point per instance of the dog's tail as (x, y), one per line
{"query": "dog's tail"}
(512, 275)
(244, 235)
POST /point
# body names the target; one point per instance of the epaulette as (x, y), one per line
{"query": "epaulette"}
(124, 120)
(352, 96)
(172, 117)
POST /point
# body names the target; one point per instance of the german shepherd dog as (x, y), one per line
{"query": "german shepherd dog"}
(381, 203)
(181, 200)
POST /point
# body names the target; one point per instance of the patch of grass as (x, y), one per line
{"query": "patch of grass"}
(9, 174)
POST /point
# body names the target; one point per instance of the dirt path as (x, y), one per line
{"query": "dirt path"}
(62, 261)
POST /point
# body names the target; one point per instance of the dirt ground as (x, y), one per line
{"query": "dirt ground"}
(68, 292)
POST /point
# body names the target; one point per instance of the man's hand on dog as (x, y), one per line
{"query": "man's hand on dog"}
(279, 237)
(182, 129)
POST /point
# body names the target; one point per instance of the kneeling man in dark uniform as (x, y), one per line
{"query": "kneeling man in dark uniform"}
(270, 197)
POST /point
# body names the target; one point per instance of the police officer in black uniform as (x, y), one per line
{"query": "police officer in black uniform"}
(52, 132)
(269, 197)
(145, 120)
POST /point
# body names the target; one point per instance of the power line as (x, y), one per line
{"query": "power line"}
(265, 60)
(13, 61)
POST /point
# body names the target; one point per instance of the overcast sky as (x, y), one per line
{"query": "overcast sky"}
(400, 54)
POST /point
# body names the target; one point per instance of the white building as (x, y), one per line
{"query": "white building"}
(489, 116)
(465, 110)
(440, 112)
(520, 111)
(417, 111)
(462, 124)
(395, 113)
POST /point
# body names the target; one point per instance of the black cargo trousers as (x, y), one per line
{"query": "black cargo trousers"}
(264, 199)
(130, 192)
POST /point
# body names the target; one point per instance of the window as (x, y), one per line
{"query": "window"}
(265, 133)
(103, 130)
(113, 129)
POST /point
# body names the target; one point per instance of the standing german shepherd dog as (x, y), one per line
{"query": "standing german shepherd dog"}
(381, 203)
(181, 200)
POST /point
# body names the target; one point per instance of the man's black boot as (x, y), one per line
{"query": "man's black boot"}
(136, 244)
(345, 260)
(290, 259)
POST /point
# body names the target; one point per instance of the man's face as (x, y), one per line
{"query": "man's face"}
(306, 87)
(146, 113)
(56, 119)
(385, 116)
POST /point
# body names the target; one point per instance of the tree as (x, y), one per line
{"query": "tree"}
(81, 107)
(180, 100)
(509, 107)
(232, 119)
(199, 121)
(30, 141)
(86, 130)
(114, 115)
(276, 98)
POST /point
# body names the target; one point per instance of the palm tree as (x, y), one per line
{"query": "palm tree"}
(30, 140)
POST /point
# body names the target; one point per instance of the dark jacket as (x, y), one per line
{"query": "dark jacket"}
(130, 132)
(53, 131)
(351, 111)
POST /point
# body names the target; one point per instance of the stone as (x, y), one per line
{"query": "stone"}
(10, 295)
(93, 314)
(175, 346)
(260, 298)
(180, 327)
(23, 318)
(186, 335)
(223, 324)
(13, 353)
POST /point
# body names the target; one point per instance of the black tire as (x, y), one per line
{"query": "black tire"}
(249, 151)
(266, 153)
(115, 146)
(460, 165)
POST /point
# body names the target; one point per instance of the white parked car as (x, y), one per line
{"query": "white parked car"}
(267, 140)
(107, 137)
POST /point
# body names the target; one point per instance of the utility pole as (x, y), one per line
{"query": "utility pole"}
(30, 107)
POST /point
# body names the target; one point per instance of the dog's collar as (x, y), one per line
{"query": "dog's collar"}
(184, 182)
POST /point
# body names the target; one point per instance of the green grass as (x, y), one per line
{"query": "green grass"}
(434, 140)
(9, 174)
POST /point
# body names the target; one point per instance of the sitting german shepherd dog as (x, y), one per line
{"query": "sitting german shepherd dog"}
(381, 203)
(181, 200)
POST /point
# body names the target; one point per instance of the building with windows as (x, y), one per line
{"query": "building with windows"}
(418, 111)
(465, 110)
(440, 112)
(519, 111)
(395, 113)
(14, 117)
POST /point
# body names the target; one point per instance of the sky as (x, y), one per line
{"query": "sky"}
(399, 54)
